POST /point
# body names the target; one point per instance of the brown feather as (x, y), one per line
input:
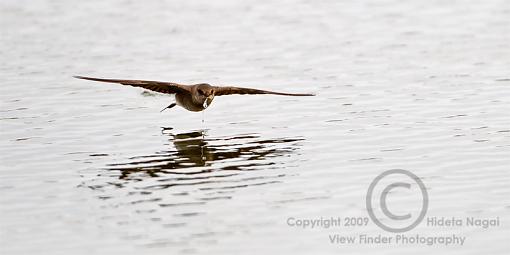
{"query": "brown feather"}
(221, 91)
(157, 86)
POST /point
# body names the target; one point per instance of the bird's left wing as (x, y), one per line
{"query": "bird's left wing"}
(222, 91)
(158, 86)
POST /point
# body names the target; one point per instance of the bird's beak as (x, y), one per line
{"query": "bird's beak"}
(208, 101)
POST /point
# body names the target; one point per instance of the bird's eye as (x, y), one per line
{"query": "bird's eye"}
(200, 92)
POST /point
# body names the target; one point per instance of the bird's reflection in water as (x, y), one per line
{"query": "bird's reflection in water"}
(176, 186)
(196, 158)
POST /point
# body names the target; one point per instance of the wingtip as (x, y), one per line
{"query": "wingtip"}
(307, 94)
(87, 78)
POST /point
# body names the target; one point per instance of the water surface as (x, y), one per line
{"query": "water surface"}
(96, 168)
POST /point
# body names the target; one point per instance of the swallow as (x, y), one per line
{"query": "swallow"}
(193, 98)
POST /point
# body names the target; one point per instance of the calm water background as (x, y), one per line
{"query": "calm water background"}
(96, 168)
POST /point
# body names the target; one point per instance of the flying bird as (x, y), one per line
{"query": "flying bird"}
(195, 97)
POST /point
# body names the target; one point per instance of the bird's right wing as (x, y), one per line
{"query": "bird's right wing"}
(221, 91)
(158, 86)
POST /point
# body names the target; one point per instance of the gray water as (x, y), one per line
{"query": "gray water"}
(92, 168)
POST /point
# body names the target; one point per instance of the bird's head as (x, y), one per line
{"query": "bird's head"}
(203, 94)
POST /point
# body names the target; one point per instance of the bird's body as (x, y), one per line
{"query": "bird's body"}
(191, 97)
(185, 100)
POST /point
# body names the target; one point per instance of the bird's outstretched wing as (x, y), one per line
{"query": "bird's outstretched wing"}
(158, 86)
(222, 91)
